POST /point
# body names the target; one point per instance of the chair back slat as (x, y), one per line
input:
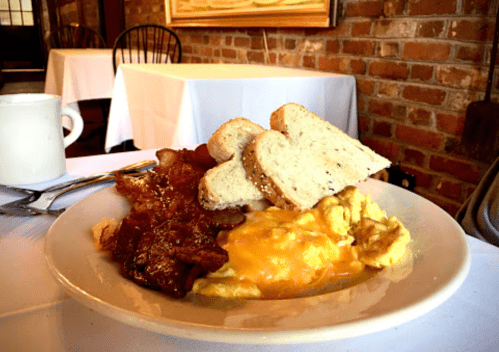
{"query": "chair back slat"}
(147, 44)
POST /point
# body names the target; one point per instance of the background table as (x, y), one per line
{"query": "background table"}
(37, 315)
(80, 74)
(167, 105)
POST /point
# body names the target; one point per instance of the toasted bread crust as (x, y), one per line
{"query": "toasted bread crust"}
(231, 138)
(304, 158)
(206, 197)
(264, 183)
(227, 185)
(296, 163)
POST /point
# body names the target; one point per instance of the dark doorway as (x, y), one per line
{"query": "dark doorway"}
(21, 29)
(20, 36)
(112, 19)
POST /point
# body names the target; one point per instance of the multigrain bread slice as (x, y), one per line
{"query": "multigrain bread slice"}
(304, 158)
(227, 185)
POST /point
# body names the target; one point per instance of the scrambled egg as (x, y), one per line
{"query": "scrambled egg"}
(279, 253)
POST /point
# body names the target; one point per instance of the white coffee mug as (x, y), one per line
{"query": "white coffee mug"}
(32, 144)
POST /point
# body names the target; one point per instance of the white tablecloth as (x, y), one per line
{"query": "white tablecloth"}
(37, 315)
(80, 74)
(167, 105)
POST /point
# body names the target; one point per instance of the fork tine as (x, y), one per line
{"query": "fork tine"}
(145, 164)
(20, 190)
(18, 211)
(29, 206)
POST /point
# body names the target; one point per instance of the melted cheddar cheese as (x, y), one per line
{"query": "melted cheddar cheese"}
(279, 253)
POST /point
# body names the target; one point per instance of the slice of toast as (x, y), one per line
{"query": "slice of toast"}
(304, 158)
(227, 185)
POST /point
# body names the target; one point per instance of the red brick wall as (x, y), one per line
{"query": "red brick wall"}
(418, 64)
(85, 12)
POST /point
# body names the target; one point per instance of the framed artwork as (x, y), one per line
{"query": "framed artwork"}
(251, 13)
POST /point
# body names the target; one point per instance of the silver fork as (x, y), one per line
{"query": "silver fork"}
(41, 205)
(36, 193)
(39, 202)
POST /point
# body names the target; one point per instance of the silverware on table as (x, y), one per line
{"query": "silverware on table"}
(141, 165)
(39, 202)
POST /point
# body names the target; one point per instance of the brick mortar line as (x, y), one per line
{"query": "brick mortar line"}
(452, 157)
(433, 128)
(434, 112)
(424, 85)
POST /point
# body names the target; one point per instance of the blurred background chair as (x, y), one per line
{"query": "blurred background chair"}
(149, 43)
(75, 35)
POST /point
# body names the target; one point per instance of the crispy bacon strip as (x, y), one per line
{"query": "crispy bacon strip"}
(168, 239)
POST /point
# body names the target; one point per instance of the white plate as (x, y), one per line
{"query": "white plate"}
(437, 266)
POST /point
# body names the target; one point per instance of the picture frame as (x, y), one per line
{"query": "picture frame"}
(251, 13)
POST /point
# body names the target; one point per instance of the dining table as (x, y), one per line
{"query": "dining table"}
(38, 313)
(80, 74)
(172, 104)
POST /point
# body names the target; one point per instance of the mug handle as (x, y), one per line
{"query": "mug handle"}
(77, 123)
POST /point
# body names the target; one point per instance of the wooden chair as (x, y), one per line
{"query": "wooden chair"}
(75, 35)
(149, 43)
